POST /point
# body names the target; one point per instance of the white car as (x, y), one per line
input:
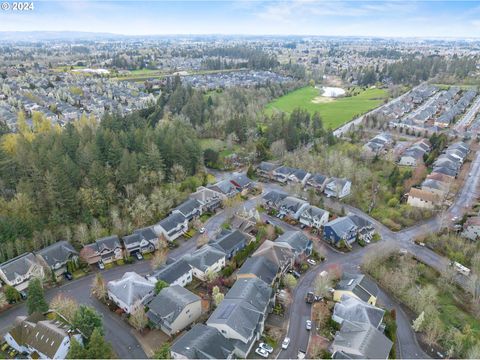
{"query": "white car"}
(101, 266)
(266, 347)
(311, 262)
(285, 343)
(262, 352)
(308, 325)
(202, 230)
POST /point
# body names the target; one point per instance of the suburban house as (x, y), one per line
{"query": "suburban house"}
(299, 176)
(412, 157)
(130, 292)
(245, 221)
(358, 286)
(241, 182)
(173, 309)
(41, 338)
(365, 229)
(258, 267)
(360, 341)
(314, 217)
(104, 250)
(378, 145)
(202, 342)
(210, 199)
(445, 171)
(342, 228)
(57, 255)
(238, 320)
(435, 187)
(224, 187)
(351, 309)
(149, 240)
(172, 227)
(423, 198)
(338, 188)
(230, 242)
(177, 272)
(282, 173)
(265, 169)
(471, 228)
(298, 241)
(273, 198)
(281, 254)
(206, 260)
(190, 209)
(18, 271)
(317, 181)
(292, 206)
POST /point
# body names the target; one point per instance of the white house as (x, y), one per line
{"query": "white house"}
(130, 292)
(178, 272)
(18, 271)
(172, 227)
(338, 188)
(313, 216)
(206, 260)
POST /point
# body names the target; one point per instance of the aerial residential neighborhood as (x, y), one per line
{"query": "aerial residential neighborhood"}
(239, 180)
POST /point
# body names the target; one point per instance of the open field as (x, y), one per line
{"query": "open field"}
(334, 112)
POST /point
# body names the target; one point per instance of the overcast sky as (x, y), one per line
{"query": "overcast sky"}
(296, 17)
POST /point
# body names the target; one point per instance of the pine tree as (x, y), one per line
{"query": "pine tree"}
(76, 351)
(36, 298)
(86, 320)
(97, 347)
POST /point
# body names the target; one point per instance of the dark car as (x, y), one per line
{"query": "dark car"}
(68, 276)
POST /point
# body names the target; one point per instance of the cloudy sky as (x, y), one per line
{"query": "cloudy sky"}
(298, 17)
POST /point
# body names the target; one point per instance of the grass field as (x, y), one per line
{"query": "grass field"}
(334, 112)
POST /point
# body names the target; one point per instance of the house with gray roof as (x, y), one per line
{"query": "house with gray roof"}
(18, 271)
(354, 310)
(230, 242)
(202, 342)
(224, 187)
(317, 181)
(241, 182)
(173, 309)
(190, 209)
(342, 228)
(358, 286)
(292, 206)
(149, 240)
(130, 292)
(258, 267)
(205, 260)
(282, 173)
(365, 229)
(175, 272)
(298, 241)
(299, 176)
(172, 227)
(239, 321)
(279, 253)
(314, 217)
(57, 255)
(105, 250)
(338, 188)
(273, 198)
(210, 199)
(255, 291)
(265, 169)
(362, 340)
(41, 338)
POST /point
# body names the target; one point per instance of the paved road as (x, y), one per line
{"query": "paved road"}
(469, 116)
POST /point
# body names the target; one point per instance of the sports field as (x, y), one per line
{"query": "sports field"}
(334, 112)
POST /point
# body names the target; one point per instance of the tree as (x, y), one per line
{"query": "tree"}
(218, 298)
(289, 281)
(322, 284)
(12, 294)
(138, 319)
(3, 300)
(158, 259)
(99, 287)
(97, 347)
(36, 298)
(321, 313)
(86, 320)
(76, 351)
(418, 322)
(159, 285)
(163, 352)
(65, 306)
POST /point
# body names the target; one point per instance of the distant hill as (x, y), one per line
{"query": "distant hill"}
(55, 35)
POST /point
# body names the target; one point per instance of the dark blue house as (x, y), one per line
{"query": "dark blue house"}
(342, 228)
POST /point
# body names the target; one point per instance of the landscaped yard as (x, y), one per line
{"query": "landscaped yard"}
(334, 112)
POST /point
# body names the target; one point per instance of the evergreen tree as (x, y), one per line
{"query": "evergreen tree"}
(97, 347)
(86, 320)
(36, 298)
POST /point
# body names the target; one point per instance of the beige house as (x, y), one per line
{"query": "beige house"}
(423, 199)
(174, 308)
(18, 271)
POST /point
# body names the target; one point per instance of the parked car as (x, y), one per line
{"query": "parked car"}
(295, 273)
(139, 256)
(23, 294)
(311, 262)
(202, 230)
(101, 265)
(68, 276)
(285, 343)
(308, 325)
(266, 347)
(261, 352)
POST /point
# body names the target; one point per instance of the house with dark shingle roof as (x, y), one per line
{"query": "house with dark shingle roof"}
(299, 176)
(338, 188)
(57, 255)
(281, 254)
(210, 199)
(342, 228)
(18, 271)
(352, 309)
(282, 173)
(225, 187)
(105, 250)
(258, 267)
(202, 342)
(273, 198)
(190, 209)
(313, 216)
(265, 169)
(317, 181)
(176, 272)
(173, 309)
(40, 337)
(292, 206)
(230, 242)
(241, 182)
(205, 260)
(172, 227)
(358, 286)
(298, 241)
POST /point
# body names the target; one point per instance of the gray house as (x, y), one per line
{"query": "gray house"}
(202, 342)
(292, 206)
(177, 272)
(206, 260)
(258, 267)
(190, 209)
(173, 309)
(298, 241)
(230, 242)
(18, 271)
(172, 227)
(57, 255)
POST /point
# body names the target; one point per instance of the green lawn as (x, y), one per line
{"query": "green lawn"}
(334, 112)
